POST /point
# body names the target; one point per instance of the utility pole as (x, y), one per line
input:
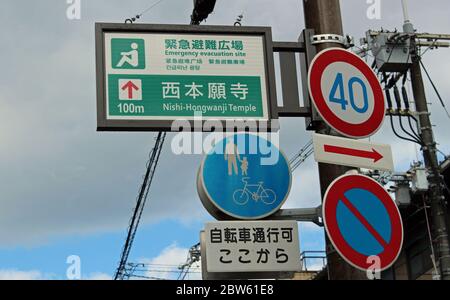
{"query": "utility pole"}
(324, 16)
(435, 194)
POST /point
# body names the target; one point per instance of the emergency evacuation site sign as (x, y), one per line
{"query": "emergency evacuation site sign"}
(167, 73)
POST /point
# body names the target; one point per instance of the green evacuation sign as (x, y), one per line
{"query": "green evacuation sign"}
(159, 76)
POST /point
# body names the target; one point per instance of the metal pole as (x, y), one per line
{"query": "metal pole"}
(324, 16)
(435, 194)
(408, 27)
(405, 11)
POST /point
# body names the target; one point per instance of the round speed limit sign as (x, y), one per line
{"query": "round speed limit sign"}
(346, 93)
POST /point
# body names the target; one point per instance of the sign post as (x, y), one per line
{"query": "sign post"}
(363, 222)
(149, 76)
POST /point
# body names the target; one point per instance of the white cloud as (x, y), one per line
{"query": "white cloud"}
(12, 274)
(99, 276)
(20, 275)
(165, 265)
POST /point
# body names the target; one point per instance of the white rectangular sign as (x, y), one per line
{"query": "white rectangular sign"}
(347, 152)
(260, 246)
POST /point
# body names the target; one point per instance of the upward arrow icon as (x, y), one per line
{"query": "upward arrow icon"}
(130, 86)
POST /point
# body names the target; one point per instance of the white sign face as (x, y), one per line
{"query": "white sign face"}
(342, 151)
(354, 103)
(242, 247)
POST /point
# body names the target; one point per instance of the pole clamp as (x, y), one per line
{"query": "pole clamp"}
(346, 41)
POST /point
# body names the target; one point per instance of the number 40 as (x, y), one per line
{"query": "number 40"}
(338, 86)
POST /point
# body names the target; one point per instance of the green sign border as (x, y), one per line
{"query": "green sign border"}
(104, 124)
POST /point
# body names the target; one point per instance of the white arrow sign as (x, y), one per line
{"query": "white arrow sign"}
(342, 151)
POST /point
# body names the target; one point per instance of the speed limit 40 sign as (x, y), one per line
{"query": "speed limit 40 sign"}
(346, 93)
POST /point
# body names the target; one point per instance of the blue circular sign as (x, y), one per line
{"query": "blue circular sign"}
(245, 177)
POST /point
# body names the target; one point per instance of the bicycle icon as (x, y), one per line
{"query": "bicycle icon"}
(242, 196)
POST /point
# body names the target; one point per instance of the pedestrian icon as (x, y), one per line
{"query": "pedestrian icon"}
(255, 191)
(231, 156)
(128, 53)
(244, 166)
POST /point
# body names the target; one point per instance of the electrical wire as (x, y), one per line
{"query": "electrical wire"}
(138, 16)
(163, 271)
(302, 160)
(392, 83)
(428, 48)
(443, 154)
(433, 255)
(435, 88)
(398, 135)
(146, 271)
(412, 127)
(140, 203)
(304, 153)
(301, 151)
(147, 277)
(400, 116)
(412, 136)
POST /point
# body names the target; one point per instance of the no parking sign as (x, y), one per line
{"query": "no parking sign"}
(346, 93)
(362, 221)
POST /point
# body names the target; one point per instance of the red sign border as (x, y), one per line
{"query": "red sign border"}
(331, 199)
(318, 66)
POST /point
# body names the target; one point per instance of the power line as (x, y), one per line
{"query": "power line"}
(140, 203)
(194, 256)
(163, 271)
(304, 153)
(398, 135)
(138, 16)
(150, 7)
(160, 271)
(434, 87)
(147, 277)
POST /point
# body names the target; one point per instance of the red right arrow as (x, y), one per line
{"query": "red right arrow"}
(374, 154)
(130, 86)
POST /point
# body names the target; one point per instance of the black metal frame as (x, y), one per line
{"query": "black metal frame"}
(290, 80)
(103, 124)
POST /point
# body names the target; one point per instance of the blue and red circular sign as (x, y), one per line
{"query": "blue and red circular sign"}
(346, 93)
(363, 221)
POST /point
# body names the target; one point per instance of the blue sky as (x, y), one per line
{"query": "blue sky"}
(100, 253)
(69, 190)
